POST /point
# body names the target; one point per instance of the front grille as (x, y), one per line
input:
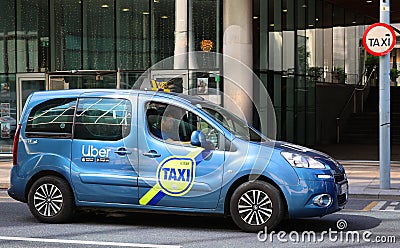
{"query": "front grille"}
(339, 177)
(341, 199)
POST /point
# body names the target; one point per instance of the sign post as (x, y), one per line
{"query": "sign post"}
(379, 39)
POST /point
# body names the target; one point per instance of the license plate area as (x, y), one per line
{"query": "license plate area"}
(343, 188)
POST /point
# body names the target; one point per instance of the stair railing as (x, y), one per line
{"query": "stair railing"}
(353, 96)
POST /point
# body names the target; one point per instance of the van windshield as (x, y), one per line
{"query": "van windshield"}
(233, 123)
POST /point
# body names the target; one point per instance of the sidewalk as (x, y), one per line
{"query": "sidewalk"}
(369, 152)
(364, 180)
(363, 177)
(5, 167)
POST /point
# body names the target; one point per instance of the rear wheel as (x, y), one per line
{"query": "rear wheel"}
(256, 205)
(50, 200)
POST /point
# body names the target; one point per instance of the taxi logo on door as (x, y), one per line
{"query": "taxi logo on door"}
(176, 174)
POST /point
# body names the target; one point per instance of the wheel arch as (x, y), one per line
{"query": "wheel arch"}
(41, 174)
(249, 178)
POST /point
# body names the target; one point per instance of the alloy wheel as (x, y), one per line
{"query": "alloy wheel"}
(255, 207)
(48, 200)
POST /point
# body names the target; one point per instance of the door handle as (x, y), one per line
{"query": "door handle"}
(122, 151)
(152, 154)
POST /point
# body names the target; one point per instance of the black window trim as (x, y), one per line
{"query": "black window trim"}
(48, 135)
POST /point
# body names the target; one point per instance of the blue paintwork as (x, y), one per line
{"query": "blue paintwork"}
(124, 180)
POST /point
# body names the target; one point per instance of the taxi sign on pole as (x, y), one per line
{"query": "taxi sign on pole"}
(379, 39)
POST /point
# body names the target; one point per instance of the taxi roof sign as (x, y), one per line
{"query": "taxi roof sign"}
(379, 39)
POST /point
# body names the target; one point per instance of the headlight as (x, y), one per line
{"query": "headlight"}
(302, 161)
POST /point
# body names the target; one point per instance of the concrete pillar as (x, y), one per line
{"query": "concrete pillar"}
(238, 43)
(183, 35)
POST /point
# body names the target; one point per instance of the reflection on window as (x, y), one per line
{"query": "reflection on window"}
(233, 124)
(53, 116)
(102, 119)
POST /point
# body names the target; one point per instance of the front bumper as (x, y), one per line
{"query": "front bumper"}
(302, 202)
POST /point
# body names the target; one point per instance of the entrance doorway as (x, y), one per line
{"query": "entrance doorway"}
(26, 84)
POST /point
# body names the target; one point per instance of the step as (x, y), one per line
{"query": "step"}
(363, 128)
(372, 102)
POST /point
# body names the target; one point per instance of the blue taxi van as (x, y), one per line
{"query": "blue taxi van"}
(156, 151)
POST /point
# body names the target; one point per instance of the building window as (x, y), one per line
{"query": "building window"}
(133, 34)
(67, 35)
(98, 35)
(7, 37)
(32, 35)
(162, 29)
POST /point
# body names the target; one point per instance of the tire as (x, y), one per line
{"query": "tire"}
(50, 200)
(255, 215)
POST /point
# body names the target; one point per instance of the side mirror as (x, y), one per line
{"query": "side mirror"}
(198, 138)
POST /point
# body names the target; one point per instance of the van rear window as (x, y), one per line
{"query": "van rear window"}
(52, 116)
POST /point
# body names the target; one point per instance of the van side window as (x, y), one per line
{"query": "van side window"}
(174, 124)
(51, 117)
(102, 119)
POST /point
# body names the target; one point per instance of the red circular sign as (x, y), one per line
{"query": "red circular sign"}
(379, 39)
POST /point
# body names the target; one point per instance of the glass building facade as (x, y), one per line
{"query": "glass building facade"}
(299, 44)
(296, 44)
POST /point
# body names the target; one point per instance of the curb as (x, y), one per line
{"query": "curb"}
(365, 163)
(4, 186)
(374, 196)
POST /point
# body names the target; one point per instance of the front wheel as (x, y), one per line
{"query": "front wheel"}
(256, 205)
(50, 200)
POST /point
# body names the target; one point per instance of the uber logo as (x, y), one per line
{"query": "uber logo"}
(92, 151)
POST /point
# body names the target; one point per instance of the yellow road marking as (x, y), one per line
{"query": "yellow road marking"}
(370, 206)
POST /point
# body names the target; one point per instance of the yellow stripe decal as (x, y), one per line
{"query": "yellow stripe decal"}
(193, 154)
(150, 194)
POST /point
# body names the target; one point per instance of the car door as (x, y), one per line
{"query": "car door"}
(104, 159)
(175, 173)
(47, 136)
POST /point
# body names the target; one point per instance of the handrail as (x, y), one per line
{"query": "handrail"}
(339, 118)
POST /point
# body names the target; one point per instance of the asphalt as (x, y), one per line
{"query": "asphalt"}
(363, 172)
